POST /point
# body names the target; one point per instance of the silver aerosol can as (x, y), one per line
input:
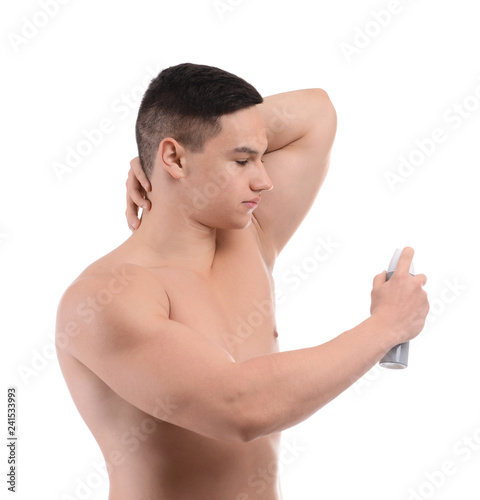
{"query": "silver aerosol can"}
(397, 357)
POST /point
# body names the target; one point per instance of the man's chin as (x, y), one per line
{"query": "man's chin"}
(246, 225)
(238, 224)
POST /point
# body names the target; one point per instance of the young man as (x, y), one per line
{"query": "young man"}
(184, 401)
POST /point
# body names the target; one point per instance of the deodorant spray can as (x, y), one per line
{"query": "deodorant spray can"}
(397, 357)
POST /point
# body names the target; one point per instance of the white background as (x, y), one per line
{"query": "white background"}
(388, 435)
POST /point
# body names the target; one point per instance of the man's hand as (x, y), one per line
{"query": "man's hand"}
(400, 303)
(137, 187)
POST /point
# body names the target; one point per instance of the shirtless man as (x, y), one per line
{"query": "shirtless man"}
(185, 402)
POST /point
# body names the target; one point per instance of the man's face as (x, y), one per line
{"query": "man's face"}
(229, 172)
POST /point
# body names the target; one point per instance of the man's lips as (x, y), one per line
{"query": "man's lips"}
(253, 202)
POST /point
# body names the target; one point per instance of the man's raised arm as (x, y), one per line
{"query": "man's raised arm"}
(301, 127)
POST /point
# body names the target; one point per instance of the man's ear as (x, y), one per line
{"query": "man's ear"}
(171, 156)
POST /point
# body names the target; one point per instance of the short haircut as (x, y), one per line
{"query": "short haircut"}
(185, 102)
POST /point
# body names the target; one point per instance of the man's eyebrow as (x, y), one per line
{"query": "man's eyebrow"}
(248, 150)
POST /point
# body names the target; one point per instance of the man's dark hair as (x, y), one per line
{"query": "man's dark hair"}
(185, 102)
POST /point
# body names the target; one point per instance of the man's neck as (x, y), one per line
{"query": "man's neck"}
(168, 236)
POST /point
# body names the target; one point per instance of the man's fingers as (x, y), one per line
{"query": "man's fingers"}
(405, 260)
(422, 278)
(132, 214)
(137, 196)
(136, 192)
(140, 174)
(379, 279)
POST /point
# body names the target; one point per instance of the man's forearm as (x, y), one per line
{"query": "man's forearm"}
(283, 389)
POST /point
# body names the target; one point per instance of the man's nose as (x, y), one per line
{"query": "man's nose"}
(262, 181)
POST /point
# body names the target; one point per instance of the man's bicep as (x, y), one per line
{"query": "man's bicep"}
(160, 366)
(297, 172)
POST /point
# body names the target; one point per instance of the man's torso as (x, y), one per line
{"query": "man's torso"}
(151, 459)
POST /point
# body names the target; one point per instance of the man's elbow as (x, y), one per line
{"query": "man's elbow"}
(324, 125)
(326, 110)
(251, 419)
(321, 98)
(248, 428)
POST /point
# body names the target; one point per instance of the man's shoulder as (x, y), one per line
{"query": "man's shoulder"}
(109, 274)
(110, 290)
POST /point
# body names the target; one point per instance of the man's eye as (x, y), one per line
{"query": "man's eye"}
(242, 162)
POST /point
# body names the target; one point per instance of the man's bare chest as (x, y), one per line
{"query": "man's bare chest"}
(233, 305)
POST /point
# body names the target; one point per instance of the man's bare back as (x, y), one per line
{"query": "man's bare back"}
(168, 344)
(231, 306)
